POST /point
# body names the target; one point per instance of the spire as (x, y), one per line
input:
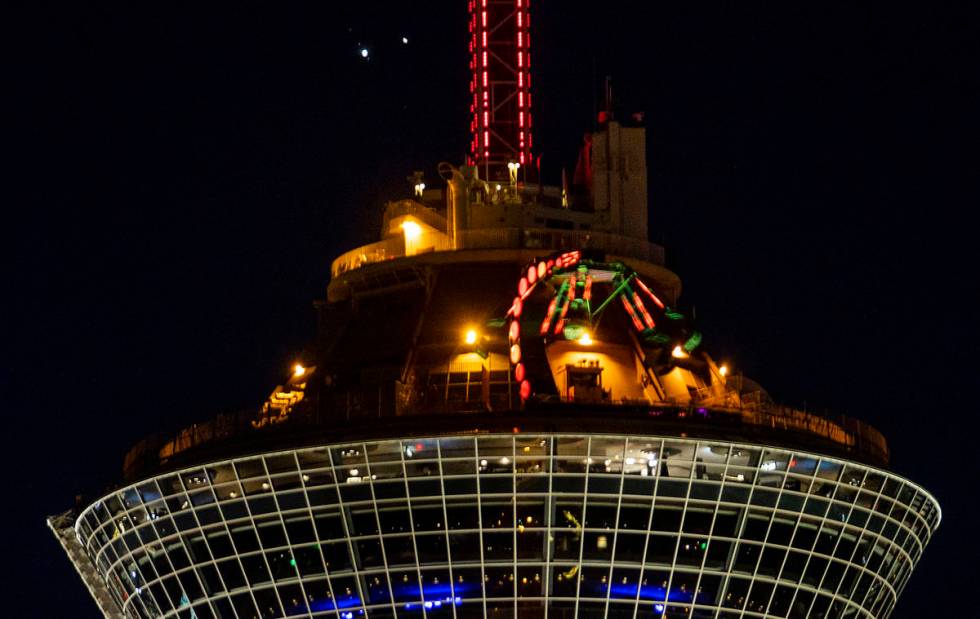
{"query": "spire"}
(500, 88)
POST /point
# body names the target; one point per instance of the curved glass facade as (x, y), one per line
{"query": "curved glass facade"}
(544, 525)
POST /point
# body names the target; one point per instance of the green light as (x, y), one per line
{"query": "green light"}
(693, 342)
(292, 562)
(573, 331)
(704, 545)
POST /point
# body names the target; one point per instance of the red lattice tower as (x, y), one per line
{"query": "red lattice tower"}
(501, 85)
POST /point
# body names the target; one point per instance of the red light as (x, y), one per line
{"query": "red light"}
(519, 372)
(651, 295)
(643, 310)
(522, 286)
(419, 446)
(515, 331)
(516, 307)
(542, 269)
(525, 390)
(632, 313)
(532, 274)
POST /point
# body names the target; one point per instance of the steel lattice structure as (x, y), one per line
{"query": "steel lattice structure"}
(500, 87)
(536, 525)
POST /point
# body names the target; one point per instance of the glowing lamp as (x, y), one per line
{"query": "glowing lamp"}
(723, 370)
(411, 229)
(471, 337)
(679, 353)
(586, 339)
(298, 370)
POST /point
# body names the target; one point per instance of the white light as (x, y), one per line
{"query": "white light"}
(471, 337)
(723, 370)
(298, 370)
(678, 353)
(405, 40)
(498, 187)
(585, 340)
(505, 460)
(409, 451)
(265, 485)
(768, 466)
(364, 52)
(354, 472)
(630, 460)
(483, 462)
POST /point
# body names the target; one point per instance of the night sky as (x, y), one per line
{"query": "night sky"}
(183, 177)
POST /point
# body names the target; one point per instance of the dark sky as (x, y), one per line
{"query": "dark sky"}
(184, 175)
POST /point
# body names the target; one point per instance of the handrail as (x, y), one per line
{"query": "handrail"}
(543, 239)
(849, 434)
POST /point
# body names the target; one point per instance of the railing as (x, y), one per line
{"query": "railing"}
(411, 208)
(387, 249)
(544, 239)
(849, 435)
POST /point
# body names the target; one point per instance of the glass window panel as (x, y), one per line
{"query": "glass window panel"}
(432, 548)
(572, 445)
(464, 547)
(530, 545)
(399, 550)
(457, 447)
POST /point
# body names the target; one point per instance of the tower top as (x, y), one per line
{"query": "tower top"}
(500, 87)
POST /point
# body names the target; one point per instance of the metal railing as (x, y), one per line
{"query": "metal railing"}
(544, 239)
(846, 434)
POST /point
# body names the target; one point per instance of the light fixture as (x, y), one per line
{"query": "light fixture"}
(298, 370)
(723, 370)
(586, 339)
(471, 337)
(411, 229)
(679, 353)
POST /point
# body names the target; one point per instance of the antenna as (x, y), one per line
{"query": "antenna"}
(500, 88)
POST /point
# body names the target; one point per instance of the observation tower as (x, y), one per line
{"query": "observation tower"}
(507, 415)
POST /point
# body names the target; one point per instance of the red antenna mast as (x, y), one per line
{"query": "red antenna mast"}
(501, 85)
